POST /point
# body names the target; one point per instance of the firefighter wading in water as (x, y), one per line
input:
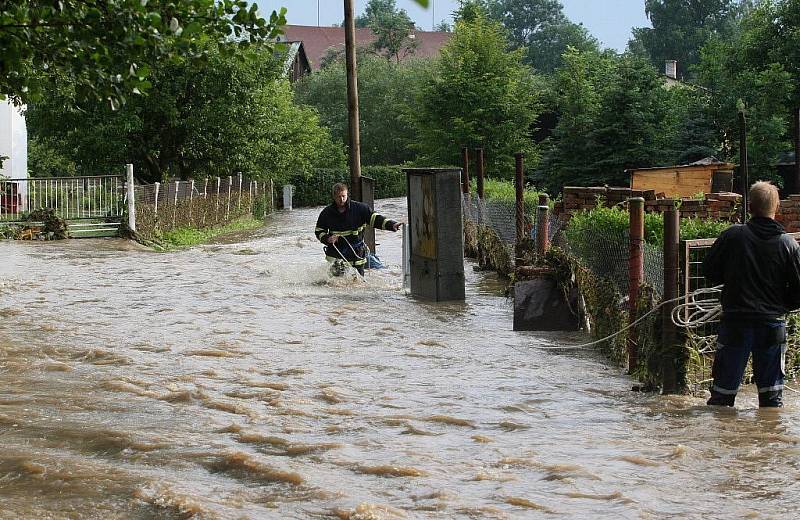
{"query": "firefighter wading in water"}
(341, 226)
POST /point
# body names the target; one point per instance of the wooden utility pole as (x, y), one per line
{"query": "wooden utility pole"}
(744, 173)
(352, 100)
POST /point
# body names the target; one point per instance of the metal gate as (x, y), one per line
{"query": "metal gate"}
(91, 205)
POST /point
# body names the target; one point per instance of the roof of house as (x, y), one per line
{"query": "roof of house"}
(708, 161)
(295, 50)
(317, 40)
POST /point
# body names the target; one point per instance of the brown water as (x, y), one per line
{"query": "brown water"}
(234, 381)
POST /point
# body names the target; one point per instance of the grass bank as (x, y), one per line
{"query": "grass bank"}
(187, 237)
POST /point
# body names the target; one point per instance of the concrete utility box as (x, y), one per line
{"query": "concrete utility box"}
(288, 190)
(436, 233)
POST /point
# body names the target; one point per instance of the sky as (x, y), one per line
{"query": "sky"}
(610, 21)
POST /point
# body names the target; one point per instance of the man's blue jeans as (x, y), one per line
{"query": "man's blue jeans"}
(766, 340)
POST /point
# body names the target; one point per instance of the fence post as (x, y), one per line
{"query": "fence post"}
(131, 200)
(228, 206)
(271, 198)
(542, 225)
(239, 202)
(672, 223)
(520, 194)
(205, 204)
(191, 198)
(155, 209)
(465, 170)
(479, 171)
(635, 274)
(744, 174)
(175, 204)
(250, 195)
(216, 202)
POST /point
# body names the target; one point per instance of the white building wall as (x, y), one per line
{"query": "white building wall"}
(13, 141)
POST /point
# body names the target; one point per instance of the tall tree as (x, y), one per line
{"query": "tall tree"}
(681, 28)
(483, 95)
(759, 65)
(386, 99)
(541, 28)
(107, 47)
(232, 115)
(614, 114)
(393, 31)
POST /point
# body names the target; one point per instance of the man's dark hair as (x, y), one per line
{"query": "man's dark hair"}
(338, 188)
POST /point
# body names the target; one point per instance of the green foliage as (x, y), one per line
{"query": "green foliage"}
(387, 102)
(190, 236)
(315, 189)
(541, 29)
(231, 116)
(45, 159)
(615, 115)
(614, 222)
(759, 66)
(106, 49)
(680, 29)
(506, 191)
(481, 95)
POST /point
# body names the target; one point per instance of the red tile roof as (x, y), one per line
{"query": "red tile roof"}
(317, 40)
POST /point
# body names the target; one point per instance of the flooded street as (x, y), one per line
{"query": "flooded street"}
(234, 381)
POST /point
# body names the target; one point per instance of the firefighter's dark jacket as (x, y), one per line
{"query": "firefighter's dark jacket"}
(760, 267)
(349, 225)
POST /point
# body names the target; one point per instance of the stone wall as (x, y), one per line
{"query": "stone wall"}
(789, 214)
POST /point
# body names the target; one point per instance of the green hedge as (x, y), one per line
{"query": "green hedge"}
(605, 221)
(315, 189)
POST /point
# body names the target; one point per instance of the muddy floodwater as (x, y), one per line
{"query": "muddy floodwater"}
(235, 381)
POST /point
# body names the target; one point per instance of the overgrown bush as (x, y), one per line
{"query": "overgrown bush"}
(506, 191)
(315, 189)
(614, 222)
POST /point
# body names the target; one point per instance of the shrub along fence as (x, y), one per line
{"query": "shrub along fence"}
(205, 203)
(315, 189)
(623, 267)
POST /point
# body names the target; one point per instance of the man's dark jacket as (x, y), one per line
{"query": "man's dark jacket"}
(348, 225)
(760, 267)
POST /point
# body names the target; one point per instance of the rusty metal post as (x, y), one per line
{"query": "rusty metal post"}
(542, 225)
(744, 174)
(465, 170)
(635, 274)
(479, 171)
(520, 195)
(672, 223)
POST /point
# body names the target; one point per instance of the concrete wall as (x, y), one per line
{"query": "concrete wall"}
(13, 141)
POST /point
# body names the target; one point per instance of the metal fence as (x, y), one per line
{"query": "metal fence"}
(70, 198)
(162, 207)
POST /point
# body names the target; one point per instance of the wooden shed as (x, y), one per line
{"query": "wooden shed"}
(704, 176)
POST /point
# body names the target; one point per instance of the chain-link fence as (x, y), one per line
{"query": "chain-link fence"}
(493, 224)
(701, 340)
(162, 207)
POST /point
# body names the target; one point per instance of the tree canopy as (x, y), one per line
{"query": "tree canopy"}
(481, 95)
(233, 115)
(681, 28)
(107, 48)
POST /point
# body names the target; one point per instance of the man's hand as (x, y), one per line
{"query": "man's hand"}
(397, 226)
(333, 238)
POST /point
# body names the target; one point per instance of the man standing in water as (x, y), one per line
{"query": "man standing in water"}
(760, 267)
(341, 226)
